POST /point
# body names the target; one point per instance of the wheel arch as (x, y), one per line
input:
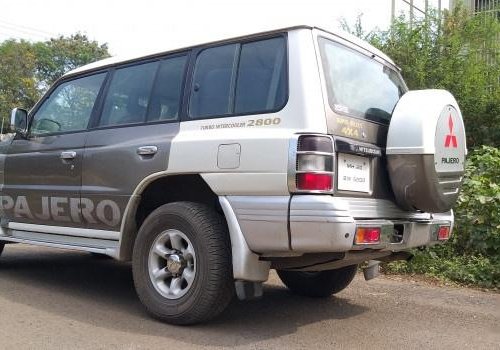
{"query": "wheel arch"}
(154, 191)
(246, 264)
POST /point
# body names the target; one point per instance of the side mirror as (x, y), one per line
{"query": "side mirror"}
(19, 120)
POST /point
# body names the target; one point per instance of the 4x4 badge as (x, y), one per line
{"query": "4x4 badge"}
(450, 138)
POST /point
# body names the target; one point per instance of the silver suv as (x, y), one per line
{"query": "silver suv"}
(299, 150)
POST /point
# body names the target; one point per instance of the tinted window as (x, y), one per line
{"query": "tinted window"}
(69, 106)
(358, 84)
(212, 82)
(239, 79)
(261, 76)
(128, 95)
(166, 98)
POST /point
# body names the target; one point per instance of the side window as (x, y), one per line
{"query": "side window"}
(166, 97)
(128, 95)
(69, 106)
(212, 82)
(261, 76)
(239, 79)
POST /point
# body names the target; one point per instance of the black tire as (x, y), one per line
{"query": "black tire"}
(2, 245)
(319, 284)
(212, 286)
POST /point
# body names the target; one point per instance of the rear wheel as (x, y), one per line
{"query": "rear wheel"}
(2, 245)
(182, 264)
(320, 284)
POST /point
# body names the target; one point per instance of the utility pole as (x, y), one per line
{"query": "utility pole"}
(393, 10)
(410, 3)
(412, 14)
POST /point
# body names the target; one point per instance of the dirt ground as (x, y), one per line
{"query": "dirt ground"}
(54, 299)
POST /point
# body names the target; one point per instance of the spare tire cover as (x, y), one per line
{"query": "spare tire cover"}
(426, 151)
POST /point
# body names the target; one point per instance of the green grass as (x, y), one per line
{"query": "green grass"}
(478, 271)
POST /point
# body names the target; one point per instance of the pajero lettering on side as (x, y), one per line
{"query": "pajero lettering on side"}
(64, 209)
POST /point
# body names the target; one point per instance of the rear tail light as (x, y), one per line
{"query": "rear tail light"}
(443, 233)
(315, 143)
(367, 235)
(314, 182)
(312, 162)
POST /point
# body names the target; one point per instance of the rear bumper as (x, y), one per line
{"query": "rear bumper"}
(322, 223)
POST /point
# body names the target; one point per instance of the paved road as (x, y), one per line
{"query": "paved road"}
(51, 299)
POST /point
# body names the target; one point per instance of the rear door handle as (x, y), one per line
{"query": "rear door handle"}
(147, 150)
(68, 155)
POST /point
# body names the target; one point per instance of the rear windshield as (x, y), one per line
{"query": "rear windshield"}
(359, 85)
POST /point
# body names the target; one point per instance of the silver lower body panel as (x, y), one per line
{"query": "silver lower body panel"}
(281, 226)
(94, 241)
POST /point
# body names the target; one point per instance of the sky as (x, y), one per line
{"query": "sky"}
(129, 27)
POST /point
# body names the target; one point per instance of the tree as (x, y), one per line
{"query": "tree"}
(28, 69)
(57, 56)
(17, 70)
(459, 53)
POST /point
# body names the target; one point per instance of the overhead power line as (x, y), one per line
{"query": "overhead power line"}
(25, 29)
(20, 32)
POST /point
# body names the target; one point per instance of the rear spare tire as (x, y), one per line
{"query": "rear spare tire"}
(182, 264)
(318, 284)
(426, 151)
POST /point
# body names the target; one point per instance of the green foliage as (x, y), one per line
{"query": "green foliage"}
(478, 210)
(28, 69)
(357, 28)
(57, 56)
(476, 270)
(460, 53)
(472, 256)
(17, 85)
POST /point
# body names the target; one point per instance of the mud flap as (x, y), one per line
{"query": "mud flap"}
(246, 290)
(372, 270)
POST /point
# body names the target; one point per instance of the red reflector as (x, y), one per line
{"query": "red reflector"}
(443, 233)
(314, 182)
(367, 235)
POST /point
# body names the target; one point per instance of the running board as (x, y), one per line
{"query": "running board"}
(72, 241)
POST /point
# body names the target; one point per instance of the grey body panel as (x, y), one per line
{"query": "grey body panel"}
(44, 188)
(4, 148)
(113, 168)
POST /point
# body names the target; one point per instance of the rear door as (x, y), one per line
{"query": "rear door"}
(131, 138)
(43, 171)
(362, 90)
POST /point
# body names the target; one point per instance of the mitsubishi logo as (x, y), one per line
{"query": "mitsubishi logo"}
(451, 139)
